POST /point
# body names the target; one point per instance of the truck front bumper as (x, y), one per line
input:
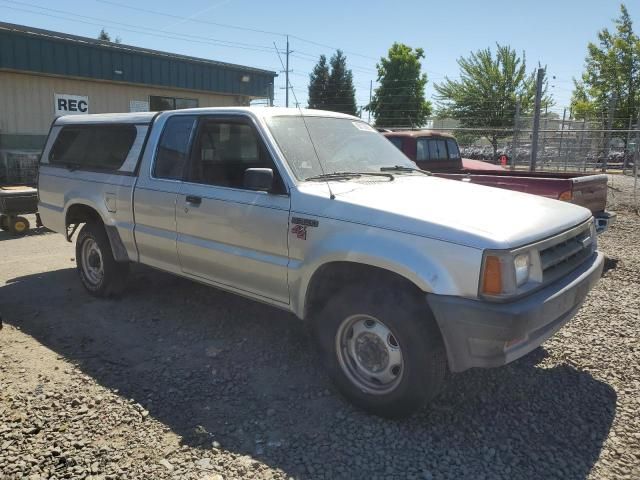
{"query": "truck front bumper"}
(478, 333)
(604, 220)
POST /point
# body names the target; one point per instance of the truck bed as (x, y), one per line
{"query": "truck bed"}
(589, 191)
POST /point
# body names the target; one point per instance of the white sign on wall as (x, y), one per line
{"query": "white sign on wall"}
(65, 104)
(138, 106)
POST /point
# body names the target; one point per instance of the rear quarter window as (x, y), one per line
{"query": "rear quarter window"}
(99, 147)
(397, 141)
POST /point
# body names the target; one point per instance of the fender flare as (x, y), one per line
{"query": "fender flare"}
(117, 246)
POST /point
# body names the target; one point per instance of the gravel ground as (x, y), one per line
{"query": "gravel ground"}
(177, 380)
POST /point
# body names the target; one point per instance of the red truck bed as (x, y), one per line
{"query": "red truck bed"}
(589, 191)
(439, 153)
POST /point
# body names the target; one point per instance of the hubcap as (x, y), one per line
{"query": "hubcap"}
(92, 265)
(369, 354)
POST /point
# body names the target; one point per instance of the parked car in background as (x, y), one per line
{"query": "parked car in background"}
(318, 214)
(439, 153)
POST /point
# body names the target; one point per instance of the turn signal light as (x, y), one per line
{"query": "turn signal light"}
(492, 276)
(566, 196)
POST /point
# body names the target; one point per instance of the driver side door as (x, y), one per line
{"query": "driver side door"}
(227, 234)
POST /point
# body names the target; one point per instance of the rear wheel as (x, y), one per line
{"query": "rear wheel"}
(382, 348)
(18, 225)
(101, 275)
(4, 222)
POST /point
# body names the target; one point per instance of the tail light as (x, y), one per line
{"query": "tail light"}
(566, 196)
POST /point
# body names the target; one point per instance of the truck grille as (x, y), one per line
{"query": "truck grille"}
(564, 256)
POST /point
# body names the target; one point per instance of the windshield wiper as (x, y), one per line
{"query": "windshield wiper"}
(402, 168)
(346, 176)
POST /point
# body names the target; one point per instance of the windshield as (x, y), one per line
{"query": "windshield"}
(342, 144)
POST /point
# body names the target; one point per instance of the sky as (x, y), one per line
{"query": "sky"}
(554, 33)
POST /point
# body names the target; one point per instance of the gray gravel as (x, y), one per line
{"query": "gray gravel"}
(177, 380)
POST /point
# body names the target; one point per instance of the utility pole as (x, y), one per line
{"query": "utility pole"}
(607, 133)
(286, 75)
(625, 160)
(584, 163)
(516, 125)
(369, 109)
(564, 116)
(536, 120)
(636, 160)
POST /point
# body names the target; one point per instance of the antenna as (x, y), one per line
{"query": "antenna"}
(306, 127)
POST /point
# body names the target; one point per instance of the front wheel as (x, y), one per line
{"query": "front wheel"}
(101, 275)
(382, 348)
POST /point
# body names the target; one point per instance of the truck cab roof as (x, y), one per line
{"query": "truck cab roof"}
(147, 117)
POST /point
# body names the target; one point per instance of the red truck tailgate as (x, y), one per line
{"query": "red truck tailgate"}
(590, 191)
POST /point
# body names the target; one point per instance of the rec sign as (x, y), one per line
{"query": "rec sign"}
(65, 104)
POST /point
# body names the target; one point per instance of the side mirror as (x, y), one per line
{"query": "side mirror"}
(258, 179)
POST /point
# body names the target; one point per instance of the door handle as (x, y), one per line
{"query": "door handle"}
(194, 200)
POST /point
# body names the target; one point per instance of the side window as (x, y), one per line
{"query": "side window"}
(437, 150)
(224, 150)
(397, 141)
(422, 150)
(71, 146)
(101, 147)
(454, 151)
(173, 148)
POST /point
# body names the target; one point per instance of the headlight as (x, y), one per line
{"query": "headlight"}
(521, 263)
(504, 273)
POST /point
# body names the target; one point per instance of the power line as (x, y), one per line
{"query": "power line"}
(134, 28)
(195, 20)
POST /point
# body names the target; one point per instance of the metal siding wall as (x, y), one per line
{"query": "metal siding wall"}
(27, 100)
(19, 51)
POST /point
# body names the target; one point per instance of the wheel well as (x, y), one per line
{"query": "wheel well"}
(78, 214)
(331, 277)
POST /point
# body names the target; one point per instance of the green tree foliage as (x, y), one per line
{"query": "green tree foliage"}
(332, 89)
(318, 83)
(104, 35)
(487, 92)
(341, 93)
(399, 101)
(612, 67)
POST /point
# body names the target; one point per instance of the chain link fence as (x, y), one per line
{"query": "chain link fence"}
(563, 145)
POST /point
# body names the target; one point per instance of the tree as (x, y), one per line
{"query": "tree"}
(318, 82)
(104, 35)
(611, 68)
(341, 94)
(487, 92)
(399, 100)
(332, 89)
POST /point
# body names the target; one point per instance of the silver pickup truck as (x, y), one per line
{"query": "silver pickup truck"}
(401, 275)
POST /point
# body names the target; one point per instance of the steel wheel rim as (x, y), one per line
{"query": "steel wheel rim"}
(92, 264)
(369, 354)
(20, 226)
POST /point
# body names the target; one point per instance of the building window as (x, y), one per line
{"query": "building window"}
(157, 104)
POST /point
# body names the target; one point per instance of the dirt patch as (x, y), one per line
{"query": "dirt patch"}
(177, 380)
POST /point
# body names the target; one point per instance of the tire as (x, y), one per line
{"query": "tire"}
(409, 326)
(18, 225)
(100, 274)
(4, 222)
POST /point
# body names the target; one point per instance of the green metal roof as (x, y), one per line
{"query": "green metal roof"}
(27, 49)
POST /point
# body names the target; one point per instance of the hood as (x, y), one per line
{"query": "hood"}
(450, 210)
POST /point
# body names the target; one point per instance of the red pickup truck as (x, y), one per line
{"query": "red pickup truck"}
(439, 153)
